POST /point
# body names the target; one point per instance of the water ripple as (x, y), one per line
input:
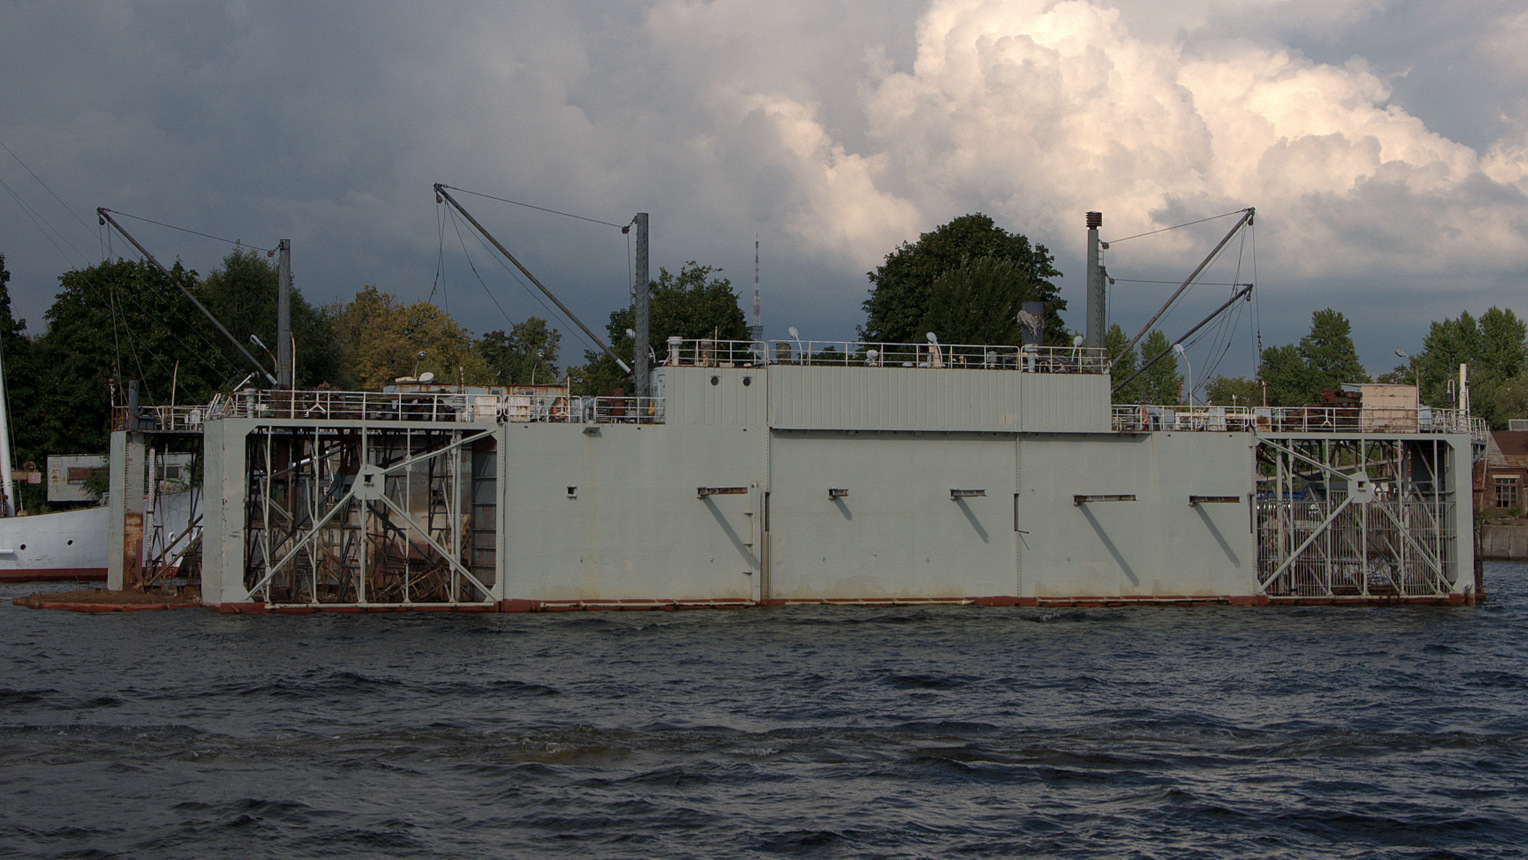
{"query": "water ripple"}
(821, 731)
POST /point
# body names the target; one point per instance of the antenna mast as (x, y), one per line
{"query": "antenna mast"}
(756, 330)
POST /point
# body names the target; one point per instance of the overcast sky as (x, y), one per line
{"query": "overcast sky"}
(1383, 144)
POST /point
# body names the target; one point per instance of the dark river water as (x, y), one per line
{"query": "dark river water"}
(834, 732)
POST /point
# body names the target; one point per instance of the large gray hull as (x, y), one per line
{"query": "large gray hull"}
(764, 484)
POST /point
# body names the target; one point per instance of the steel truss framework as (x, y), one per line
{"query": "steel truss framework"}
(169, 554)
(1364, 517)
(364, 516)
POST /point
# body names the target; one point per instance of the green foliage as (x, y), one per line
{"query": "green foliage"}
(979, 301)
(1233, 391)
(381, 339)
(1288, 380)
(1161, 383)
(905, 297)
(1496, 350)
(526, 354)
(1447, 345)
(1497, 514)
(1328, 351)
(1324, 358)
(123, 321)
(692, 304)
(1122, 365)
(97, 483)
(1398, 375)
(113, 322)
(1499, 400)
(242, 295)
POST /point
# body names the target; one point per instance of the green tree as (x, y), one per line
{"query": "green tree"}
(1328, 352)
(12, 330)
(1233, 391)
(242, 295)
(692, 304)
(1503, 346)
(1122, 365)
(979, 301)
(1288, 380)
(1447, 345)
(381, 340)
(1508, 399)
(112, 324)
(1398, 375)
(1161, 383)
(1496, 349)
(526, 354)
(903, 288)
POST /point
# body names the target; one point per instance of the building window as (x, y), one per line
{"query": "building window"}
(1506, 492)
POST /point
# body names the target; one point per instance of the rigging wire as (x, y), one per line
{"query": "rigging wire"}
(47, 230)
(51, 193)
(551, 314)
(115, 322)
(440, 250)
(473, 266)
(537, 208)
(1176, 227)
(1175, 283)
(1257, 319)
(1221, 328)
(29, 171)
(512, 274)
(236, 242)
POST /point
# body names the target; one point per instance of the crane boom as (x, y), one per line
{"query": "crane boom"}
(440, 191)
(103, 213)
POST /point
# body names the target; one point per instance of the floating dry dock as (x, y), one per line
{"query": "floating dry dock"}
(776, 473)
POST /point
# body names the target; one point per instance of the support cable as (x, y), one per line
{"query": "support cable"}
(440, 190)
(103, 214)
(1247, 216)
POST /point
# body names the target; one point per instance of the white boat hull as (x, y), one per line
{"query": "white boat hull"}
(71, 545)
(60, 545)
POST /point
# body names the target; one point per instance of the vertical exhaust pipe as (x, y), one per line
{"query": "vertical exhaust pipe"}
(1095, 331)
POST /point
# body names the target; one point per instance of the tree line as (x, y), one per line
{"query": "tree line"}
(966, 281)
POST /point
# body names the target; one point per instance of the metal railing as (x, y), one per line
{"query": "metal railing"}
(433, 406)
(1297, 419)
(742, 353)
(169, 419)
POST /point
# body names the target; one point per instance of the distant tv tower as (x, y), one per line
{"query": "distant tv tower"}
(756, 331)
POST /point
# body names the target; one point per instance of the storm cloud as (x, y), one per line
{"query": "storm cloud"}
(1384, 145)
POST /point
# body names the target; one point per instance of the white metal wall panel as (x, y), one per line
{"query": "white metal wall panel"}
(885, 398)
(736, 397)
(1154, 545)
(1065, 403)
(897, 533)
(614, 515)
(223, 476)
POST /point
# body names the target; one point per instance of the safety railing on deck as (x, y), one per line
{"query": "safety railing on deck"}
(742, 353)
(1297, 419)
(163, 419)
(430, 406)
